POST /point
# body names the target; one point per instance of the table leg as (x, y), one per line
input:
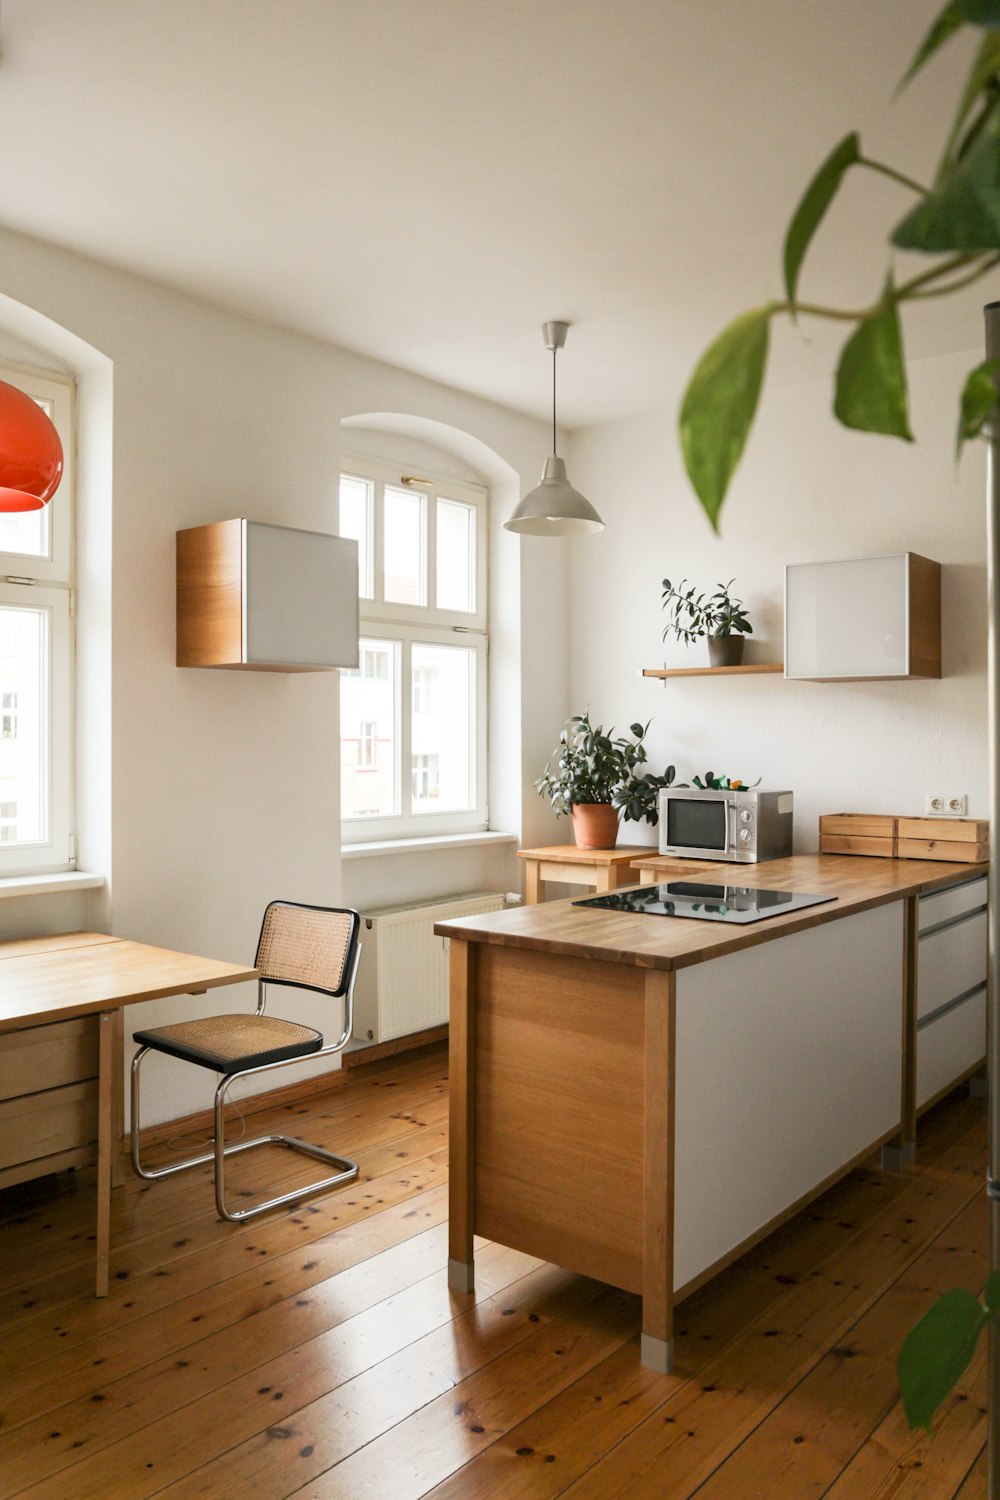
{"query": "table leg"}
(105, 1146)
(604, 878)
(118, 1099)
(532, 883)
(461, 1114)
(657, 1344)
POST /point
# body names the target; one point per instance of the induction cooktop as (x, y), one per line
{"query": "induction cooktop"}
(705, 901)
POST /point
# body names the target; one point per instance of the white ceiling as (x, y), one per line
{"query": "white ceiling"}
(428, 180)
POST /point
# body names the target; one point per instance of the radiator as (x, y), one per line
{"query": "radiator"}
(402, 983)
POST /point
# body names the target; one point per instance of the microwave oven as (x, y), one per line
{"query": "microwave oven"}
(740, 826)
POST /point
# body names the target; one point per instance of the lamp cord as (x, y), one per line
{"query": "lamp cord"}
(554, 353)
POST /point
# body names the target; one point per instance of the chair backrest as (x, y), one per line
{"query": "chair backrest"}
(310, 947)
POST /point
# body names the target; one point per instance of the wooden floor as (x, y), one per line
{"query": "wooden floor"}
(320, 1353)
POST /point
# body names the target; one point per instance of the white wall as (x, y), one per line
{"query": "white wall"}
(204, 794)
(807, 489)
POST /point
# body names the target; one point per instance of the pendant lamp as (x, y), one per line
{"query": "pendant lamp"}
(31, 455)
(554, 507)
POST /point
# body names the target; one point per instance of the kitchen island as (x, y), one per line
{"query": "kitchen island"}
(641, 1098)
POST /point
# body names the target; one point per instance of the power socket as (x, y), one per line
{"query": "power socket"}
(945, 805)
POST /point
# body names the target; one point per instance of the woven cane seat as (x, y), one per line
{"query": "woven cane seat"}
(306, 945)
(228, 1044)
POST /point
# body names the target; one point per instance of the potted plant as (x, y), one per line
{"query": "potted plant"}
(719, 616)
(955, 221)
(595, 777)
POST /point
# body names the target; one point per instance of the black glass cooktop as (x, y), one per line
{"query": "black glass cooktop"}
(705, 901)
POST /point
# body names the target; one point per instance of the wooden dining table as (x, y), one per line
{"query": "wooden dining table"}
(70, 975)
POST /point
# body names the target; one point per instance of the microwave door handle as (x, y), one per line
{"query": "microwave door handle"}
(732, 826)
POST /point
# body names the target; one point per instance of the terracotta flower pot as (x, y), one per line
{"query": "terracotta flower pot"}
(725, 650)
(595, 825)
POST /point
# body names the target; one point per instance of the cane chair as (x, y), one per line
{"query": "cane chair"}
(306, 947)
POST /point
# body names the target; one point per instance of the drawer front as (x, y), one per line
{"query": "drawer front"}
(950, 962)
(941, 906)
(47, 1057)
(950, 1047)
(42, 1124)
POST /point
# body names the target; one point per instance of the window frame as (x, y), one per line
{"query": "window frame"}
(438, 487)
(402, 626)
(46, 583)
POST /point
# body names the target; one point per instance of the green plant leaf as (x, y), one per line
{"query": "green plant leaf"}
(944, 27)
(956, 14)
(985, 66)
(719, 406)
(936, 1353)
(871, 378)
(980, 401)
(963, 213)
(813, 205)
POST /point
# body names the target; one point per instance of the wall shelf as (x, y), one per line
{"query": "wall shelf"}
(749, 669)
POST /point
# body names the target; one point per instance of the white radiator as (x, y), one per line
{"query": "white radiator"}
(402, 981)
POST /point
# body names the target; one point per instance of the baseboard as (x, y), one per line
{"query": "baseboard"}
(357, 1057)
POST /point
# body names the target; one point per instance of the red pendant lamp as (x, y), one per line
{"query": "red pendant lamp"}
(31, 455)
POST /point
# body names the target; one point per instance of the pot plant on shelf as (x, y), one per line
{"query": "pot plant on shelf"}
(596, 778)
(719, 616)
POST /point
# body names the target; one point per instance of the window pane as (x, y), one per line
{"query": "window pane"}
(23, 699)
(356, 523)
(368, 733)
(404, 546)
(443, 733)
(456, 556)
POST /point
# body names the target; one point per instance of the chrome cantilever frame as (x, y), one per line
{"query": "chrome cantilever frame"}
(348, 1169)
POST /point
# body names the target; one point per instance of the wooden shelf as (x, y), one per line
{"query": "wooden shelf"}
(751, 668)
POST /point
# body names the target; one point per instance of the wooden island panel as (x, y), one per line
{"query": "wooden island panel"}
(559, 1112)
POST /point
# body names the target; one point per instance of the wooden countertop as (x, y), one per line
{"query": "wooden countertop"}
(651, 942)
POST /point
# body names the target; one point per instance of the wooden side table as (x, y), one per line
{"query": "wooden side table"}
(601, 869)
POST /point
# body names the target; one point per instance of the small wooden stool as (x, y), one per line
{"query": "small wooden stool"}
(601, 869)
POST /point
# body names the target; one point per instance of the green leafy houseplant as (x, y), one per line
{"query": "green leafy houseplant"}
(956, 221)
(589, 765)
(691, 615)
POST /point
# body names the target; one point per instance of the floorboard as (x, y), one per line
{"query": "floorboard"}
(320, 1353)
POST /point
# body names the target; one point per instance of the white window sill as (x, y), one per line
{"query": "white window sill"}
(417, 846)
(43, 885)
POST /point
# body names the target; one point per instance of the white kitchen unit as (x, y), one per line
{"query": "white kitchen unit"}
(863, 619)
(788, 1067)
(266, 598)
(950, 988)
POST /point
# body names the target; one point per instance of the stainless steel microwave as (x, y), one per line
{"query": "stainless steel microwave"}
(740, 826)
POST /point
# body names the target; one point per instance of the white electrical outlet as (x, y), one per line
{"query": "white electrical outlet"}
(945, 805)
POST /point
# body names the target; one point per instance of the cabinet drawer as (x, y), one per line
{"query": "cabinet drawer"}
(950, 1047)
(941, 906)
(46, 1057)
(41, 1124)
(950, 962)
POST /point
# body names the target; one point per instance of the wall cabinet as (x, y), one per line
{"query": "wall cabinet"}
(868, 618)
(266, 598)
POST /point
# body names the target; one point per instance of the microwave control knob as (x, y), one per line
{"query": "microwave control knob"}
(745, 835)
(746, 815)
